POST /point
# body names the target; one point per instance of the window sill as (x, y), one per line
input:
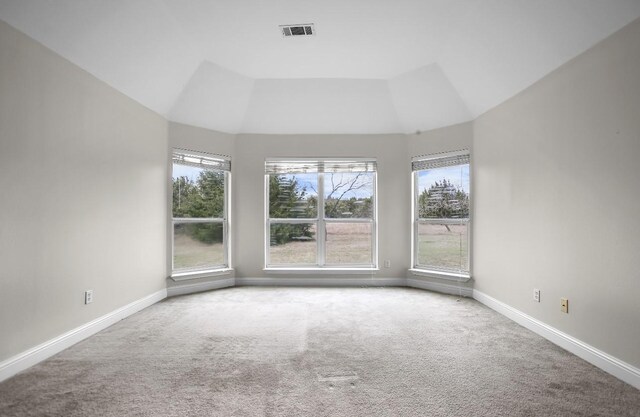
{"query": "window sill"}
(184, 276)
(315, 271)
(452, 276)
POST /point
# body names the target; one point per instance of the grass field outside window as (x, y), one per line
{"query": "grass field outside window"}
(442, 213)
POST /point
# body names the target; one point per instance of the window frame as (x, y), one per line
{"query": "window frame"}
(431, 270)
(321, 222)
(208, 270)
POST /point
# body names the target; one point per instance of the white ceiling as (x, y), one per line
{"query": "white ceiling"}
(375, 66)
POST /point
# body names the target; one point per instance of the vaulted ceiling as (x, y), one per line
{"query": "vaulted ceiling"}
(373, 66)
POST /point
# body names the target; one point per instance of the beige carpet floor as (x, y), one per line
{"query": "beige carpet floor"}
(350, 352)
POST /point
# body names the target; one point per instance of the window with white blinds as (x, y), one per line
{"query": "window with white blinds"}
(442, 220)
(320, 213)
(440, 162)
(189, 158)
(294, 166)
(200, 207)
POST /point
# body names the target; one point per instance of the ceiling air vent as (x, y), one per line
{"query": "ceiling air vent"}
(306, 29)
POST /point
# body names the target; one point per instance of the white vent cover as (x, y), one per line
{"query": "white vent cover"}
(306, 29)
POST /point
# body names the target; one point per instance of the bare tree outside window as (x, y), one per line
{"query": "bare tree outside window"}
(321, 218)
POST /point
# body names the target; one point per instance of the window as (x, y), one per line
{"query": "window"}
(320, 213)
(441, 213)
(200, 212)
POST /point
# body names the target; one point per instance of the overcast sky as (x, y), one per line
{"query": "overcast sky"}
(458, 175)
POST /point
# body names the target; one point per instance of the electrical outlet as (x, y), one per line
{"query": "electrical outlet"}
(387, 263)
(536, 295)
(88, 297)
(564, 305)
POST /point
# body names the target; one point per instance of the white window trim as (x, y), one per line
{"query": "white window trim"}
(431, 273)
(424, 270)
(226, 267)
(185, 276)
(318, 270)
(321, 222)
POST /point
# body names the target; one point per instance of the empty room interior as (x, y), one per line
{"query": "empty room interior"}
(319, 208)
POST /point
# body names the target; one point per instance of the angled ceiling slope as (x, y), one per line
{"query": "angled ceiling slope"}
(373, 66)
(214, 98)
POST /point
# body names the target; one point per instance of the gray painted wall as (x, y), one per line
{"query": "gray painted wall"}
(446, 139)
(84, 174)
(392, 181)
(556, 180)
(83, 203)
(393, 153)
(203, 140)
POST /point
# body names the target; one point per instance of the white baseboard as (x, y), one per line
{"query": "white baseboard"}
(454, 289)
(200, 286)
(620, 369)
(323, 282)
(37, 354)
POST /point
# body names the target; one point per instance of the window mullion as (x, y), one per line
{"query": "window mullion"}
(416, 216)
(267, 223)
(320, 225)
(225, 223)
(460, 220)
(292, 220)
(348, 220)
(374, 223)
(180, 220)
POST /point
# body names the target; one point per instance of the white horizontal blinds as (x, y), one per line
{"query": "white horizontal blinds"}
(350, 166)
(290, 167)
(201, 161)
(313, 166)
(440, 162)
